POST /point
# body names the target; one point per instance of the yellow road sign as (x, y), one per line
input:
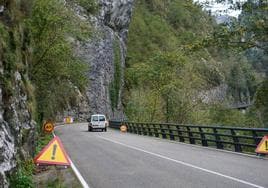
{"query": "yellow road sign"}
(123, 128)
(68, 120)
(48, 127)
(53, 154)
(263, 146)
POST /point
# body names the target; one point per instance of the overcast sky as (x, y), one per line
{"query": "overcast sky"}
(220, 8)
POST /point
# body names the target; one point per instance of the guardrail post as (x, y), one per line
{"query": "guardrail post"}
(146, 129)
(171, 135)
(143, 131)
(149, 130)
(191, 139)
(218, 139)
(132, 128)
(181, 138)
(139, 129)
(129, 127)
(156, 134)
(237, 145)
(133, 125)
(135, 128)
(255, 137)
(203, 137)
(222, 135)
(163, 132)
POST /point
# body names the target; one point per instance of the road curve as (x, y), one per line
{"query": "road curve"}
(117, 160)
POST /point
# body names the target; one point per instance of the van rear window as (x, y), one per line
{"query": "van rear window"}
(101, 118)
(94, 118)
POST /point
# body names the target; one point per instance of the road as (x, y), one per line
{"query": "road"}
(123, 160)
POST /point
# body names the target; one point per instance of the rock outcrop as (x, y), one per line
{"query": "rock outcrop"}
(105, 52)
(16, 125)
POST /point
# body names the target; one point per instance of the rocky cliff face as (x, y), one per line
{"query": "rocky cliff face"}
(105, 52)
(16, 125)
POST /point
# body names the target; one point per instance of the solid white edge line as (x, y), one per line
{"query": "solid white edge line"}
(183, 163)
(57, 126)
(75, 170)
(203, 147)
(78, 175)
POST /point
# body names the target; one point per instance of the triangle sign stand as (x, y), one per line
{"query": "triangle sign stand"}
(53, 154)
(263, 146)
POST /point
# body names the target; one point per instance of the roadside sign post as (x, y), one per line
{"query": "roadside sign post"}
(48, 127)
(53, 153)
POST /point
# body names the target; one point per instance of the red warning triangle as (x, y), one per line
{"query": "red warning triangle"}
(263, 146)
(53, 154)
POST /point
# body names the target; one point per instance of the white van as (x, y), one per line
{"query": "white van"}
(97, 121)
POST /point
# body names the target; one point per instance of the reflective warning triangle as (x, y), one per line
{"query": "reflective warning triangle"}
(53, 154)
(263, 146)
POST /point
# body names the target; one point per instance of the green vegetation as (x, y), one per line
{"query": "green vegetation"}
(55, 71)
(262, 102)
(36, 42)
(43, 140)
(90, 6)
(248, 36)
(23, 177)
(162, 81)
(115, 85)
(54, 184)
(176, 54)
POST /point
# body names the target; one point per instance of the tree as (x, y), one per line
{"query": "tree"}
(55, 71)
(170, 84)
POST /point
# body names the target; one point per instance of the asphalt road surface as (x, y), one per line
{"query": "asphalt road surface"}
(122, 160)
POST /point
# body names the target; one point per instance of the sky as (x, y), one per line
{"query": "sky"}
(223, 8)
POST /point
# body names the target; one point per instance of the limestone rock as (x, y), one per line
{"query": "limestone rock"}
(110, 29)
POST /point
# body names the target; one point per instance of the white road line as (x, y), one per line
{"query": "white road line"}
(76, 172)
(78, 175)
(200, 146)
(203, 147)
(58, 126)
(184, 163)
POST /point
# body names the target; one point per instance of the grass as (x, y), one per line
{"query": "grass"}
(43, 140)
(23, 177)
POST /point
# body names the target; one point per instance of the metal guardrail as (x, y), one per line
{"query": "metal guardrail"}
(229, 138)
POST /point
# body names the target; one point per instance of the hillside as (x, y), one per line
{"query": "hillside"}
(154, 61)
(172, 76)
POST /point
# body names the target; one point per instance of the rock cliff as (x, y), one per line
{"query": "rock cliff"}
(105, 52)
(16, 125)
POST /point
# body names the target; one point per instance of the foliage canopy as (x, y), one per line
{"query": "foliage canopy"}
(55, 70)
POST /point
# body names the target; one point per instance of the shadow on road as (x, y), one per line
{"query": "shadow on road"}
(99, 131)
